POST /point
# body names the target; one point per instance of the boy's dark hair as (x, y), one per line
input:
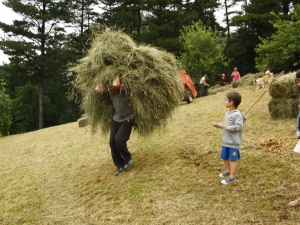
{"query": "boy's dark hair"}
(235, 97)
(298, 74)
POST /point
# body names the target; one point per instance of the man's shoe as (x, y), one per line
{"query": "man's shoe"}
(127, 166)
(224, 174)
(119, 171)
(228, 180)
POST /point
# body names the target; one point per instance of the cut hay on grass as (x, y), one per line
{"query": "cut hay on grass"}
(275, 145)
(63, 175)
(150, 75)
(281, 108)
(246, 80)
(284, 86)
(217, 88)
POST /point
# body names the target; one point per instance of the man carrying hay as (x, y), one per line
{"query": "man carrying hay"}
(121, 125)
(148, 87)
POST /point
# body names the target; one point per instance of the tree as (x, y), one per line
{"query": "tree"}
(203, 51)
(281, 51)
(256, 20)
(25, 109)
(126, 15)
(230, 10)
(5, 111)
(34, 41)
(204, 10)
(83, 17)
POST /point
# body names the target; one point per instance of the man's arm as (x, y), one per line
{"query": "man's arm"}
(115, 87)
(205, 84)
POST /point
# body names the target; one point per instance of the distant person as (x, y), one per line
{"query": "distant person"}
(232, 136)
(235, 74)
(223, 80)
(121, 125)
(202, 84)
(297, 147)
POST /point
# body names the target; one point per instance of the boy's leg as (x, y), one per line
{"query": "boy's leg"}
(225, 156)
(233, 166)
(227, 165)
(234, 156)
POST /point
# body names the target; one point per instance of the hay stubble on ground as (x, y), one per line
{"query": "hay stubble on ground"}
(65, 175)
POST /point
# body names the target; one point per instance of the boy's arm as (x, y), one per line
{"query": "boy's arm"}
(220, 125)
(238, 123)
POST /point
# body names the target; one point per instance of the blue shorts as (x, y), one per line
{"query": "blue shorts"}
(231, 154)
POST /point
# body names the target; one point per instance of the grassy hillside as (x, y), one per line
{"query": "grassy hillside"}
(65, 175)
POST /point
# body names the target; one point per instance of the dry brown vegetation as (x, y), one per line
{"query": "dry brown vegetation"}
(65, 175)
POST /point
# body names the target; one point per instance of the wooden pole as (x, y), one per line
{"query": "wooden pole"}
(261, 95)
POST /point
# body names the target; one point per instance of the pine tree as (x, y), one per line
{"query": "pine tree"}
(34, 41)
(126, 15)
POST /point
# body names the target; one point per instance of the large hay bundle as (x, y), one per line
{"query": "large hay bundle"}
(284, 86)
(150, 76)
(282, 108)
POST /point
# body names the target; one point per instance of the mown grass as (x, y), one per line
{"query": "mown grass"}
(65, 175)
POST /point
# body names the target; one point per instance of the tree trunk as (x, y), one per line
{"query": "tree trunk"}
(227, 19)
(41, 104)
(42, 73)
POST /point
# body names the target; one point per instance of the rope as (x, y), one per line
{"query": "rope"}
(277, 145)
(261, 96)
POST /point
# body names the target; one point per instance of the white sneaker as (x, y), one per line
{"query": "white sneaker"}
(228, 180)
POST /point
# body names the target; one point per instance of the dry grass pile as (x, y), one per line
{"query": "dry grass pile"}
(217, 88)
(246, 80)
(281, 108)
(284, 86)
(285, 97)
(150, 75)
(275, 144)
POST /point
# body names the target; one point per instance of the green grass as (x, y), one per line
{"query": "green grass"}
(65, 175)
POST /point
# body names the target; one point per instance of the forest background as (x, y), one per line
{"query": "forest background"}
(48, 37)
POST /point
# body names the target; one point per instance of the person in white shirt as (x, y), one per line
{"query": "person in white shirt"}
(202, 84)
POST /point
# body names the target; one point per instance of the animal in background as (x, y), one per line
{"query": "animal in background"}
(263, 82)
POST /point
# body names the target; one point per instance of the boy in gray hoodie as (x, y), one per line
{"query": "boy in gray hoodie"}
(232, 136)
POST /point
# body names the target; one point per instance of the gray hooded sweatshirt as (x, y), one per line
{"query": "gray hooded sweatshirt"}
(232, 137)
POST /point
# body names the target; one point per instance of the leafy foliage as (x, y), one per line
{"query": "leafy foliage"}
(203, 51)
(281, 50)
(34, 41)
(25, 108)
(255, 21)
(5, 112)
